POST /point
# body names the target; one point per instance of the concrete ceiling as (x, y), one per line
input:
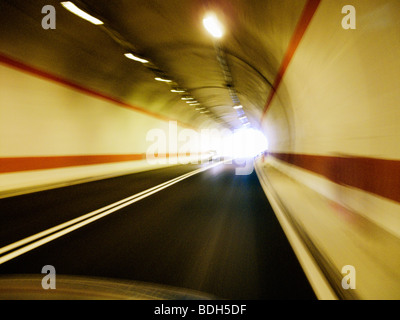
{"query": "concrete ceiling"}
(239, 68)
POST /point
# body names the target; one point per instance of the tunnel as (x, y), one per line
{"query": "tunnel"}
(242, 149)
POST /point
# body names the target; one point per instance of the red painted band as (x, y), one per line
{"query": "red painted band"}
(20, 164)
(305, 19)
(8, 165)
(378, 176)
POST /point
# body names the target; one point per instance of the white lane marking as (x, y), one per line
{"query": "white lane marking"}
(76, 220)
(67, 227)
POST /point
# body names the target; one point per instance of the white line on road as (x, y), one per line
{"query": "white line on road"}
(51, 234)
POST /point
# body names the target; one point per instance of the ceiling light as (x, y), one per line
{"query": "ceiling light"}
(185, 98)
(80, 13)
(192, 101)
(238, 107)
(162, 79)
(178, 91)
(243, 118)
(194, 104)
(213, 26)
(133, 57)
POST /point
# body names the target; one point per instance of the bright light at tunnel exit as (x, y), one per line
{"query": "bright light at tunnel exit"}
(244, 143)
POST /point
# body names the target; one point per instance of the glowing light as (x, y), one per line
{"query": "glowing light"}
(238, 107)
(213, 26)
(80, 13)
(245, 143)
(177, 91)
(162, 80)
(133, 57)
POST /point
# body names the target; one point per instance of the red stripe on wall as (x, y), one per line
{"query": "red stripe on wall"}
(305, 19)
(378, 176)
(8, 165)
(20, 164)
(10, 62)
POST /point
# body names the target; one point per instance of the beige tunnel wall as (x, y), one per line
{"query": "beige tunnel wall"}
(340, 96)
(54, 133)
(342, 85)
(334, 127)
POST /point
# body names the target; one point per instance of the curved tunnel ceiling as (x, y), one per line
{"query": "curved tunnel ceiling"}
(171, 36)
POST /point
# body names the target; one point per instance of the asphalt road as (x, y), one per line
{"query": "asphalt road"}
(213, 232)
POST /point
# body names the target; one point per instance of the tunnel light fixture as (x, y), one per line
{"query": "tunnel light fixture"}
(80, 13)
(162, 79)
(243, 118)
(213, 25)
(135, 58)
(187, 98)
(238, 107)
(178, 91)
(192, 101)
(194, 104)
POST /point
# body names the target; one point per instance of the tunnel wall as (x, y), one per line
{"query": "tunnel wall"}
(54, 131)
(341, 87)
(333, 127)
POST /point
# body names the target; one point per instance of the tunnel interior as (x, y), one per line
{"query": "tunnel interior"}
(318, 78)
